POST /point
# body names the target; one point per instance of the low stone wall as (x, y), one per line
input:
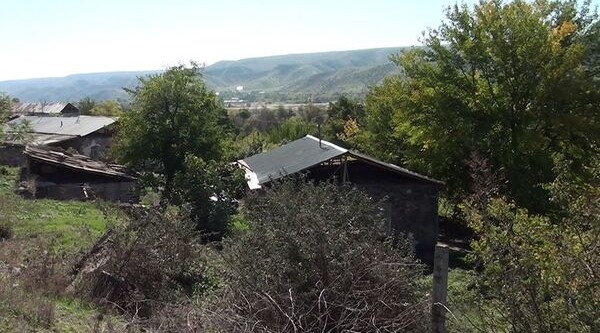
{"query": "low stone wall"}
(113, 191)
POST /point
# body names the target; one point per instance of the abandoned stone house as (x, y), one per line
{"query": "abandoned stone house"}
(89, 135)
(63, 176)
(411, 199)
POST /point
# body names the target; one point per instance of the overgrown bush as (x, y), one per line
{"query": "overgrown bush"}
(6, 215)
(209, 190)
(22, 309)
(141, 266)
(313, 258)
(543, 271)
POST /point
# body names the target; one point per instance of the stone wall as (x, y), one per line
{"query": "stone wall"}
(410, 208)
(94, 145)
(12, 155)
(124, 191)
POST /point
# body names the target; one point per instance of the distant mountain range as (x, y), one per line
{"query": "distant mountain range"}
(294, 76)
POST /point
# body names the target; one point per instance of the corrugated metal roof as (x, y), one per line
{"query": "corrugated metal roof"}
(77, 162)
(73, 126)
(289, 159)
(302, 154)
(26, 108)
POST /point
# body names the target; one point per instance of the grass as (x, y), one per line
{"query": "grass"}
(468, 311)
(70, 226)
(66, 229)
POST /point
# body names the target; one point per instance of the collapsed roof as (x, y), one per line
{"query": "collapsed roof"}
(303, 154)
(77, 162)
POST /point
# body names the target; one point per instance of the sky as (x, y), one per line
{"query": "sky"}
(44, 38)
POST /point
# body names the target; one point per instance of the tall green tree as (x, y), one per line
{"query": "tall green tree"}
(106, 108)
(86, 104)
(539, 273)
(173, 115)
(5, 106)
(344, 118)
(511, 82)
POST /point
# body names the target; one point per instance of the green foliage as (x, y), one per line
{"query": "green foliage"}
(314, 257)
(69, 225)
(43, 229)
(505, 80)
(19, 132)
(268, 129)
(261, 120)
(107, 108)
(86, 104)
(249, 145)
(543, 269)
(173, 115)
(345, 118)
(211, 191)
(5, 107)
(290, 130)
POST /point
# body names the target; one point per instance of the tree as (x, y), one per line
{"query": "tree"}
(210, 191)
(508, 81)
(173, 115)
(106, 108)
(5, 107)
(344, 119)
(543, 269)
(86, 104)
(19, 132)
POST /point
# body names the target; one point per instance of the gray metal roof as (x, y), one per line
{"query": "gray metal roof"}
(52, 108)
(66, 126)
(302, 154)
(288, 159)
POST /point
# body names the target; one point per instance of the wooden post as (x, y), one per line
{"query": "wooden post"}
(440, 289)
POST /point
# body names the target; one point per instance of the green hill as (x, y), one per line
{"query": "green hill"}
(324, 75)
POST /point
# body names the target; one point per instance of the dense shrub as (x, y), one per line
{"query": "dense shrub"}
(541, 271)
(313, 259)
(140, 266)
(209, 190)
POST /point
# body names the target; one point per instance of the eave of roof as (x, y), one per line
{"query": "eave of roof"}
(393, 167)
(284, 160)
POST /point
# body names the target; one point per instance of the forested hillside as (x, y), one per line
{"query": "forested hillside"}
(326, 75)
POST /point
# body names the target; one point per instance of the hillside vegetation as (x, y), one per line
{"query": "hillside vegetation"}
(297, 76)
(39, 241)
(501, 104)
